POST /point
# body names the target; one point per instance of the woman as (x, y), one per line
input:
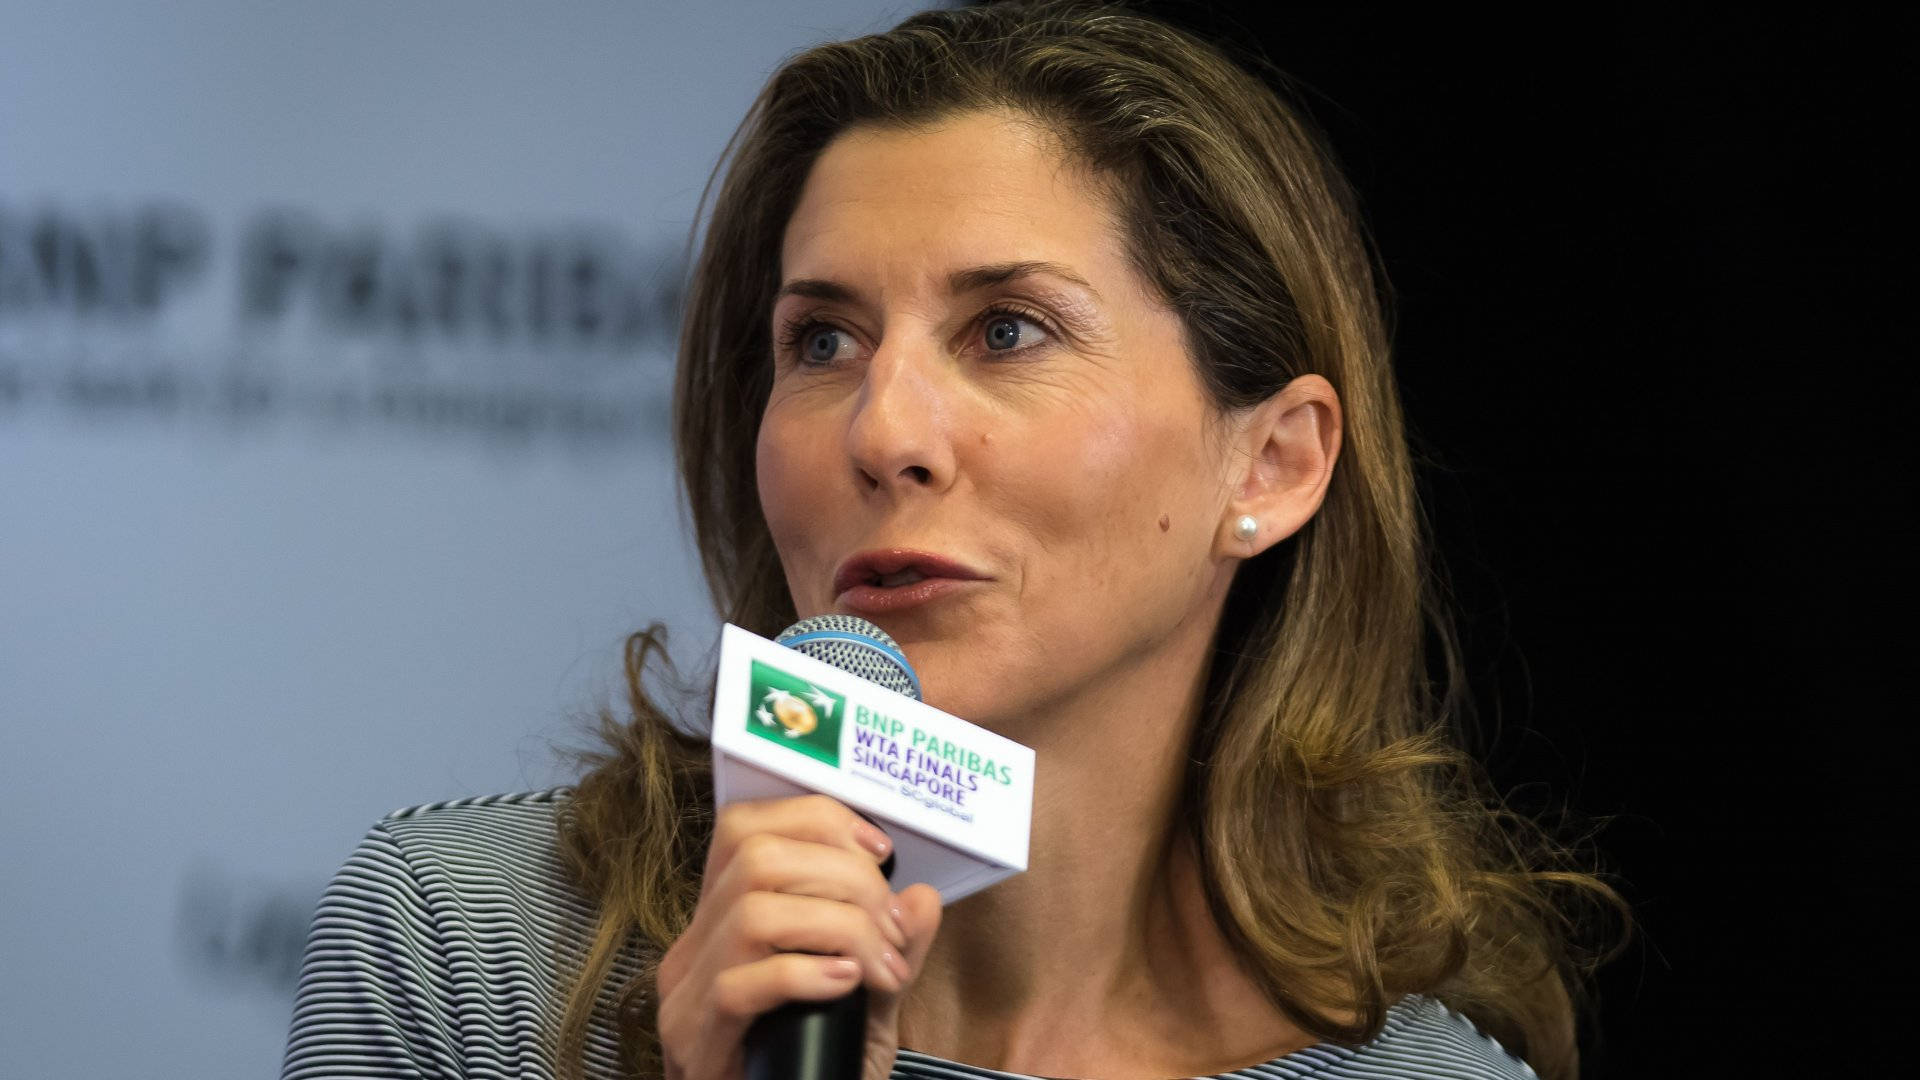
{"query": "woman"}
(1047, 339)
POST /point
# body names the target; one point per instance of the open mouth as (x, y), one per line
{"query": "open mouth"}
(891, 579)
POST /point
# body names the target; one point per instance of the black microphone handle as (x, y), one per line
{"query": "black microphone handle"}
(810, 1040)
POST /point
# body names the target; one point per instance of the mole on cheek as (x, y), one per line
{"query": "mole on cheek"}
(1164, 523)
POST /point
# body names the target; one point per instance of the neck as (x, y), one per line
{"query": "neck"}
(1103, 957)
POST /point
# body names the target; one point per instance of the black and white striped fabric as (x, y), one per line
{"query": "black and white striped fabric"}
(439, 948)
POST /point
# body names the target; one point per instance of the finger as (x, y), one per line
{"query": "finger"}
(764, 923)
(814, 818)
(919, 910)
(739, 995)
(746, 991)
(768, 862)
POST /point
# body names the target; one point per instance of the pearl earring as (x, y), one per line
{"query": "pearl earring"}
(1247, 527)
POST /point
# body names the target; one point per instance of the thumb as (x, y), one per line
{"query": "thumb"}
(919, 907)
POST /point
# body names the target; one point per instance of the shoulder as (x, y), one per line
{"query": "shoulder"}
(447, 937)
(463, 874)
(488, 854)
(505, 830)
(450, 855)
(1422, 1037)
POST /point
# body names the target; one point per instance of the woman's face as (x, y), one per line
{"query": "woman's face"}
(985, 434)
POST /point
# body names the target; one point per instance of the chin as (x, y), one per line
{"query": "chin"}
(964, 667)
(948, 676)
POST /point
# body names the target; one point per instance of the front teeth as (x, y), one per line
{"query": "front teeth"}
(904, 577)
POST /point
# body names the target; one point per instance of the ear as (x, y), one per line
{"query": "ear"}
(1284, 455)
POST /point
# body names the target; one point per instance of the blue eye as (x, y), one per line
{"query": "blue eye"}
(821, 344)
(1004, 332)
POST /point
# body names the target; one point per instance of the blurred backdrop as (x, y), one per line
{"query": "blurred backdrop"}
(334, 346)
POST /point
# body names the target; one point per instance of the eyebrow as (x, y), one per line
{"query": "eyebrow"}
(985, 277)
(972, 279)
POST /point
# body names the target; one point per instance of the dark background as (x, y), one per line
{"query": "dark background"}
(1646, 286)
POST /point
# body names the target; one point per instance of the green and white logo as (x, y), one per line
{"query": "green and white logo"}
(793, 712)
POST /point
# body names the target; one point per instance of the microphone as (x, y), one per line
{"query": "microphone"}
(826, 1040)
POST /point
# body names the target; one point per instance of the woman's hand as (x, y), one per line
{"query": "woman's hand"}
(793, 907)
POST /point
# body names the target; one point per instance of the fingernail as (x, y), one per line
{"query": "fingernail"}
(841, 969)
(899, 920)
(872, 839)
(891, 927)
(898, 964)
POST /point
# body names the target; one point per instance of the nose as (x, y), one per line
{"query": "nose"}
(898, 437)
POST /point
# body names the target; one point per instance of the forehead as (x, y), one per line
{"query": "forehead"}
(978, 188)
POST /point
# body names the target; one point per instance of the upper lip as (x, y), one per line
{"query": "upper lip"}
(866, 567)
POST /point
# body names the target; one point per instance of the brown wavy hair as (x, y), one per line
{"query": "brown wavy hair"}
(1352, 851)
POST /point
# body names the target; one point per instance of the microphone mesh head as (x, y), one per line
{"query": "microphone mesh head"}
(855, 646)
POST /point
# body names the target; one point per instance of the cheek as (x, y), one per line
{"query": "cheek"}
(1105, 485)
(782, 470)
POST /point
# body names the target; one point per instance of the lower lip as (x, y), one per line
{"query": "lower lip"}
(877, 600)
